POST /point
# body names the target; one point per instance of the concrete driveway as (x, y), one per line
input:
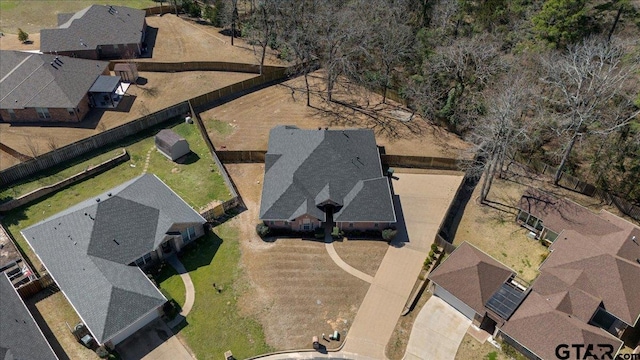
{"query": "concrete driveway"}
(437, 332)
(153, 342)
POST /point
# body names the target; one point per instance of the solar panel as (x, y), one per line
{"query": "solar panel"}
(506, 300)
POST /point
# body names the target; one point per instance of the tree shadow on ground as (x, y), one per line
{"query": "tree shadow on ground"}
(201, 252)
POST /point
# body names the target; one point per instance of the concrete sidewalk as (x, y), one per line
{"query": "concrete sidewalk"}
(421, 204)
(190, 291)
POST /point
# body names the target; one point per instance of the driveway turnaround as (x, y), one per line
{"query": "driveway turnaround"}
(153, 342)
(421, 204)
(437, 332)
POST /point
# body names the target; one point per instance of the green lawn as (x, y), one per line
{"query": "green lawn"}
(215, 325)
(170, 283)
(221, 127)
(194, 181)
(54, 175)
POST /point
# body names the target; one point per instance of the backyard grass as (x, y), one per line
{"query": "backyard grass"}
(471, 348)
(32, 16)
(52, 176)
(215, 323)
(197, 181)
(221, 127)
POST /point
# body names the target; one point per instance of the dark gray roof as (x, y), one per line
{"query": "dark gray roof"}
(168, 137)
(105, 84)
(87, 249)
(64, 17)
(20, 337)
(93, 26)
(305, 169)
(29, 80)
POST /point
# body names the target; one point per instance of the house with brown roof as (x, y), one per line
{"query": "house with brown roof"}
(587, 293)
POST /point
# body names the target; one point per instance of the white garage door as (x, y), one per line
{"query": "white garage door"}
(454, 301)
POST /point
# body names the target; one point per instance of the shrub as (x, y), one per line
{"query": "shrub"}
(432, 255)
(389, 234)
(336, 233)
(22, 35)
(262, 230)
(427, 263)
(434, 248)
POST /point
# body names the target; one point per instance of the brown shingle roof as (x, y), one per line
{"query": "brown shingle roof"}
(471, 275)
(562, 214)
(585, 268)
(539, 327)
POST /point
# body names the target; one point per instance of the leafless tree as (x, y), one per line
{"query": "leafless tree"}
(33, 147)
(52, 143)
(261, 27)
(498, 136)
(580, 86)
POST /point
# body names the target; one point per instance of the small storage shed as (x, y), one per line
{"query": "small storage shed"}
(127, 71)
(171, 144)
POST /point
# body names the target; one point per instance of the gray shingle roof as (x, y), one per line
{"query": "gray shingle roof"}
(93, 26)
(305, 168)
(20, 337)
(105, 84)
(29, 80)
(77, 246)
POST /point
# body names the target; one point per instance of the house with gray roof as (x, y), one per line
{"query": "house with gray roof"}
(94, 251)
(20, 336)
(50, 88)
(97, 32)
(316, 176)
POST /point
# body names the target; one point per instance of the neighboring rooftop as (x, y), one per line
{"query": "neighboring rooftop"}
(93, 26)
(562, 214)
(89, 247)
(540, 327)
(30, 80)
(305, 169)
(20, 336)
(471, 276)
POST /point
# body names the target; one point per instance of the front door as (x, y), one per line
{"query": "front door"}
(166, 247)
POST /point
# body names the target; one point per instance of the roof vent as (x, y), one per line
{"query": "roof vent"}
(98, 200)
(58, 61)
(115, 241)
(53, 66)
(633, 238)
(109, 194)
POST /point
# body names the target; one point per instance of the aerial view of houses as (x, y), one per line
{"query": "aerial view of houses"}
(293, 179)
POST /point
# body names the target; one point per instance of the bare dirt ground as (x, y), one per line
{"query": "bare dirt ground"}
(11, 42)
(183, 39)
(160, 91)
(353, 253)
(471, 348)
(294, 288)
(253, 115)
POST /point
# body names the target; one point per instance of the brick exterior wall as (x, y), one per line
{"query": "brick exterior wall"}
(57, 114)
(363, 226)
(296, 225)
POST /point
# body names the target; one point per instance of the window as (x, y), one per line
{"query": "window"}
(12, 114)
(523, 216)
(532, 221)
(350, 225)
(192, 233)
(375, 225)
(272, 222)
(551, 236)
(188, 234)
(43, 113)
(71, 111)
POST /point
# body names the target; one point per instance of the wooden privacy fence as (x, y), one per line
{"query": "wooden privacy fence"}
(241, 156)
(421, 162)
(33, 287)
(198, 66)
(111, 136)
(575, 184)
(94, 142)
(45, 190)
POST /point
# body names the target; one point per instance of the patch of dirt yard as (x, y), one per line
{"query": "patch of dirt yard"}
(11, 42)
(364, 255)
(56, 311)
(471, 348)
(161, 90)
(182, 39)
(254, 115)
(294, 288)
